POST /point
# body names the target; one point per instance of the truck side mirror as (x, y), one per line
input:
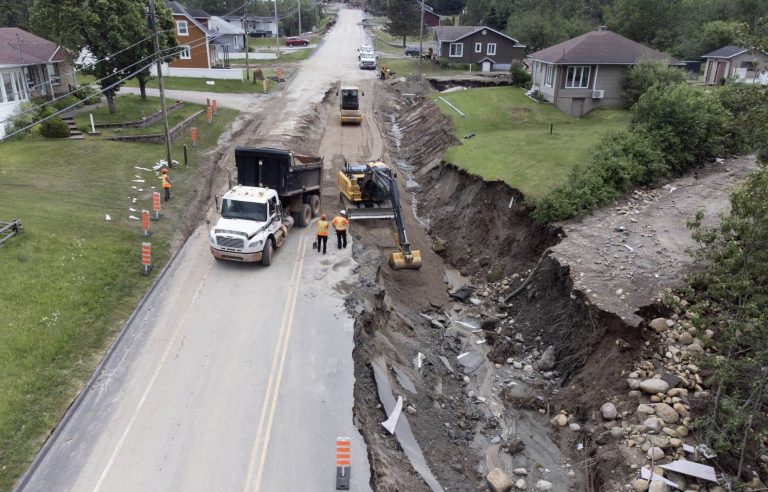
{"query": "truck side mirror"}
(217, 201)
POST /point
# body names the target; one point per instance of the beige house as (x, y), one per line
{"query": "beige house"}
(734, 62)
(589, 71)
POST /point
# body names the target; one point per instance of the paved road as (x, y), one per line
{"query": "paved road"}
(232, 377)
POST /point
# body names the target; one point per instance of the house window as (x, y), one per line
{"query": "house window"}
(491, 49)
(456, 50)
(182, 28)
(577, 77)
(30, 77)
(10, 94)
(53, 73)
(549, 75)
(21, 87)
(478, 47)
(185, 53)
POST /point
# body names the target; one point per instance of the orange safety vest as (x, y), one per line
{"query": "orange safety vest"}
(322, 227)
(340, 223)
(166, 181)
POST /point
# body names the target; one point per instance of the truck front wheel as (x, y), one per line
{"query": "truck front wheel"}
(304, 216)
(266, 254)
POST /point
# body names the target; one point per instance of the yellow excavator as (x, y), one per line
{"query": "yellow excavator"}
(369, 191)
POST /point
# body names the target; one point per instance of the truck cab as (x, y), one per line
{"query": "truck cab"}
(251, 226)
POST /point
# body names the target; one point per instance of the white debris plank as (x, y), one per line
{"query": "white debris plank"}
(391, 422)
(685, 467)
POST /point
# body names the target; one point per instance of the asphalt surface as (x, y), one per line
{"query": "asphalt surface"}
(231, 377)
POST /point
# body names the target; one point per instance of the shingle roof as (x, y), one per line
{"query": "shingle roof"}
(600, 47)
(725, 52)
(179, 9)
(455, 33)
(220, 26)
(19, 47)
(199, 13)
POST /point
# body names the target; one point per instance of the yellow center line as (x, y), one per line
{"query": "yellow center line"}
(275, 374)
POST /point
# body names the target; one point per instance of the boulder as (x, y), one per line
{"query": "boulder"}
(655, 453)
(547, 360)
(520, 471)
(659, 325)
(499, 481)
(653, 425)
(574, 427)
(685, 338)
(521, 485)
(654, 386)
(640, 485)
(543, 486)
(667, 413)
(609, 411)
(658, 486)
(645, 409)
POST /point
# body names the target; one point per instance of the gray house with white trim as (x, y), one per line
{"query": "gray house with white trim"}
(588, 71)
(481, 45)
(734, 62)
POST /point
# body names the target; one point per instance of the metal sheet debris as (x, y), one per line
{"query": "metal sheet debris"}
(648, 475)
(470, 361)
(690, 468)
(391, 422)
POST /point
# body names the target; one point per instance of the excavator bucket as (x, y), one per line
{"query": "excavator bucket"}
(400, 261)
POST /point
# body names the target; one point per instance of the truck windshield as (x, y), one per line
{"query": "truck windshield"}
(349, 97)
(235, 209)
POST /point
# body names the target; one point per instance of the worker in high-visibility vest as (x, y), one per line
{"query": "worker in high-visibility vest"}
(166, 184)
(322, 233)
(340, 224)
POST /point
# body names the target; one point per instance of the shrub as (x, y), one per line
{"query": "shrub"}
(64, 102)
(519, 77)
(687, 125)
(748, 106)
(54, 128)
(646, 74)
(87, 93)
(621, 160)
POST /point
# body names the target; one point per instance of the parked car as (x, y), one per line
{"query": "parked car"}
(367, 62)
(412, 51)
(296, 42)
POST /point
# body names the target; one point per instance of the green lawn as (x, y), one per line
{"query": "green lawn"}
(410, 66)
(71, 278)
(293, 56)
(201, 84)
(512, 139)
(130, 107)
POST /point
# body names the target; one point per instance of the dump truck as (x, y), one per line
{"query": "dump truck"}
(275, 190)
(349, 105)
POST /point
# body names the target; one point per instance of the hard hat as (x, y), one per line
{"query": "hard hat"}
(323, 216)
(165, 171)
(343, 212)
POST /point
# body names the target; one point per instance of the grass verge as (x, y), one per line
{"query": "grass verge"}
(410, 66)
(71, 278)
(512, 139)
(220, 86)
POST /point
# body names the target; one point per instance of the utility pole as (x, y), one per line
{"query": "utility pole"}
(421, 35)
(153, 26)
(299, 1)
(277, 32)
(245, 37)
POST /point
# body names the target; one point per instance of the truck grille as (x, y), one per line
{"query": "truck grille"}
(230, 242)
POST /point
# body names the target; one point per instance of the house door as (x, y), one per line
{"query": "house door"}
(486, 66)
(720, 73)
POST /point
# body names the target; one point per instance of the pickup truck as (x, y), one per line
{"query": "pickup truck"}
(367, 61)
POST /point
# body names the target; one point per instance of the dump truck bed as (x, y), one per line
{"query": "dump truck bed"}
(285, 172)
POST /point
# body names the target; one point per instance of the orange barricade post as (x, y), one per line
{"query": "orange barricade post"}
(146, 258)
(215, 107)
(279, 74)
(343, 463)
(210, 115)
(266, 85)
(193, 136)
(145, 223)
(156, 205)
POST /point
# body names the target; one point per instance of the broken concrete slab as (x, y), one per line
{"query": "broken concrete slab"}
(404, 379)
(470, 361)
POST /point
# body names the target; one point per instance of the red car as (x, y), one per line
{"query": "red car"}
(296, 42)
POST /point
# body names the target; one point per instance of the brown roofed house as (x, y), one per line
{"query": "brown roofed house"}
(31, 67)
(589, 71)
(481, 45)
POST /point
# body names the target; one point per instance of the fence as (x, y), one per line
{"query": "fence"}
(9, 229)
